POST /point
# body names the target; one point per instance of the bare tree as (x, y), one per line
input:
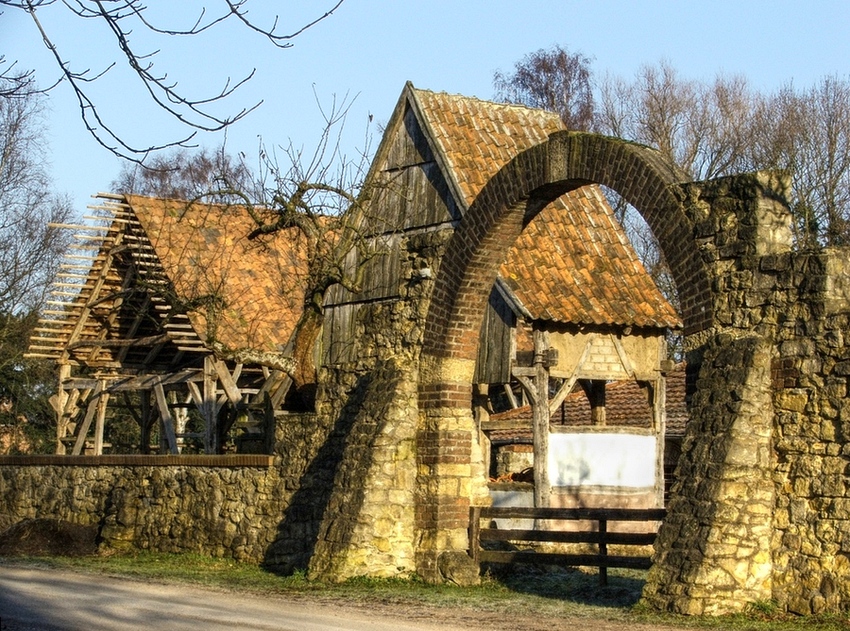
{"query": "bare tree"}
(31, 248)
(123, 18)
(704, 128)
(807, 133)
(185, 174)
(723, 127)
(554, 80)
(29, 257)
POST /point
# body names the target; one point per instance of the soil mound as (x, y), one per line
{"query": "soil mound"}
(48, 537)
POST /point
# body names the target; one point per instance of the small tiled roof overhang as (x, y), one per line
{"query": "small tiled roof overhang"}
(574, 264)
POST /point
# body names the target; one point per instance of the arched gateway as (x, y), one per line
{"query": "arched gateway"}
(469, 266)
(747, 519)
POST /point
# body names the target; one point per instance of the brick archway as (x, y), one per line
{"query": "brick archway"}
(446, 450)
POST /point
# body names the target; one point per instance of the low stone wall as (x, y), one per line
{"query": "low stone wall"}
(225, 506)
(228, 511)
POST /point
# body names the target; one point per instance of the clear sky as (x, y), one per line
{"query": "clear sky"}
(369, 48)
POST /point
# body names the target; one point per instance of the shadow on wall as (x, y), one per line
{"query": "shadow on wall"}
(726, 409)
(321, 517)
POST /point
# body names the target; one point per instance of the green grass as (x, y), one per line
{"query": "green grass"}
(534, 592)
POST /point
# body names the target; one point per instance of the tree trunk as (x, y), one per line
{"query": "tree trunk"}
(305, 377)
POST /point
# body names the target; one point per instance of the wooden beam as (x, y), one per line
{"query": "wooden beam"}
(100, 422)
(540, 420)
(165, 417)
(511, 397)
(228, 382)
(84, 427)
(562, 393)
(61, 399)
(281, 391)
(142, 341)
(95, 291)
(211, 408)
(624, 357)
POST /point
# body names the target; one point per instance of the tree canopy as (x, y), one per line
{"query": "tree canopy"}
(710, 128)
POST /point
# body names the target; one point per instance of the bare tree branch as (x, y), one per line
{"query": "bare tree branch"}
(119, 16)
(554, 80)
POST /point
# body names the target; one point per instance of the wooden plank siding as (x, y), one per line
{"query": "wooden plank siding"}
(495, 342)
(339, 333)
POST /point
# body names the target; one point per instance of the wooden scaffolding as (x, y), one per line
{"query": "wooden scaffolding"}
(149, 293)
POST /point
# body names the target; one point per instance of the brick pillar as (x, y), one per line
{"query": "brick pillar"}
(450, 472)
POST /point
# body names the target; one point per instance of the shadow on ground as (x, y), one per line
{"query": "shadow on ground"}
(48, 537)
(571, 584)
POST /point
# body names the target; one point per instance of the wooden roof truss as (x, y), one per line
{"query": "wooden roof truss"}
(122, 343)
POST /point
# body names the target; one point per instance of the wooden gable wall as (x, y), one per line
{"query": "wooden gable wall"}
(409, 194)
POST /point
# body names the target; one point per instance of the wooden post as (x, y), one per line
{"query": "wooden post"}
(481, 400)
(210, 409)
(475, 534)
(60, 407)
(166, 418)
(146, 423)
(540, 419)
(659, 407)
(596, 395)
(603, 551)
(84, 426)
(101, 419)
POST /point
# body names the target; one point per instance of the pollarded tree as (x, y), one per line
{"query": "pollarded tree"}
(322, 196)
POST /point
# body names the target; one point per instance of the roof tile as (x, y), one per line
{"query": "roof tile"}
(573, 262)
(204, 251)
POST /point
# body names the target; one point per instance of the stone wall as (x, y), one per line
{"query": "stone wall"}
(215, 505)
(714, 546)
(811, 541)
(370, 522)
(222, 511)
(761, 510)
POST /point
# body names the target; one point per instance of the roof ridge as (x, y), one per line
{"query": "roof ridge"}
(488, 102)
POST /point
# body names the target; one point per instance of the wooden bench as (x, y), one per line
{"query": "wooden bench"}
(600, 536)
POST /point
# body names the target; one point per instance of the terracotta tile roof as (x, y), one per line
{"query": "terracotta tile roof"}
(477, 138)
(625, 406)
(204, 251)
(573, 262)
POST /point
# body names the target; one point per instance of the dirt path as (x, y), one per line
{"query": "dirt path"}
(56, 600)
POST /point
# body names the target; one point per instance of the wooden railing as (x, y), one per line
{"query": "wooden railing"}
(600, 536)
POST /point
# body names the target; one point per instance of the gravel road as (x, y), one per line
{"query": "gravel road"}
(54, 600)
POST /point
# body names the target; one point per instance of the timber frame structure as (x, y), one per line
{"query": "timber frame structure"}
(153, 303)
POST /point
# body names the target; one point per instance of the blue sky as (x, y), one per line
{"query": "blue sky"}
(369, 48)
